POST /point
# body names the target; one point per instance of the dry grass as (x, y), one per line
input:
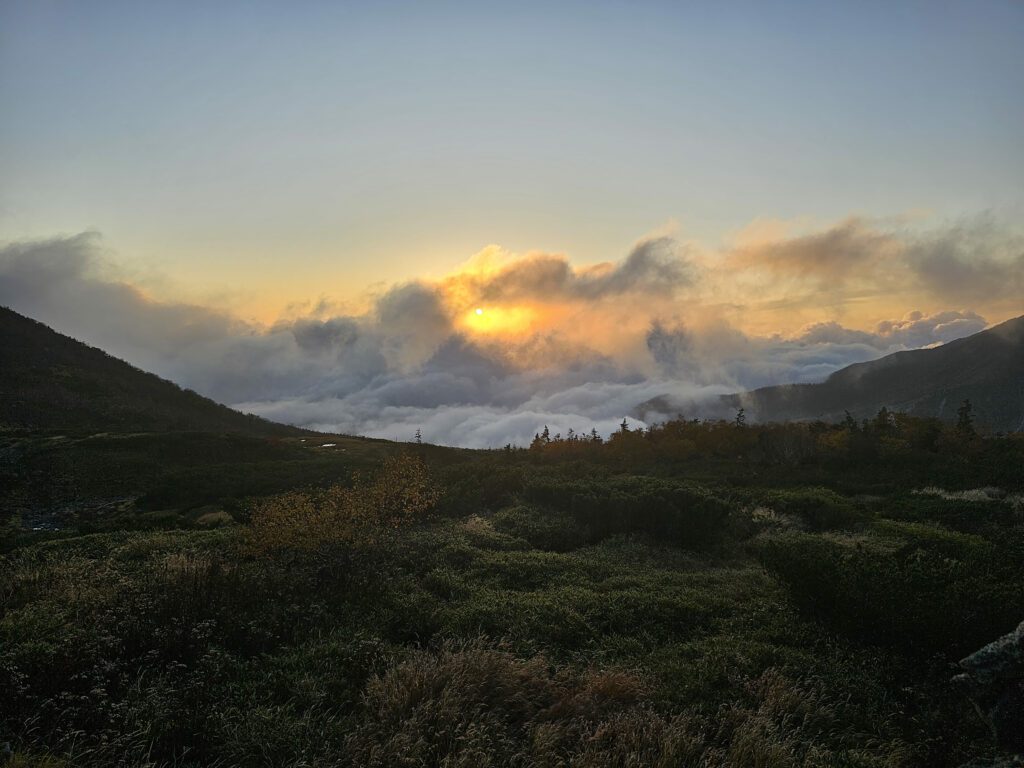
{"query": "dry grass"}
(476, 704)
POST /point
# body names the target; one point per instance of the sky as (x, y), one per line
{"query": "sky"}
(298, 208)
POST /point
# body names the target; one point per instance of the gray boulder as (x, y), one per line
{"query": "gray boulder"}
(993, 678)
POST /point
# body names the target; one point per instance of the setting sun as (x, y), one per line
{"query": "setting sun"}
(504, 321)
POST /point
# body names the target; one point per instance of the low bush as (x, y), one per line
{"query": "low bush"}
(636, 629)
(310, 520)
(475, 488)
(670, 512)
(930, 594)
(552, 530)
(818, 508)
(970, 516)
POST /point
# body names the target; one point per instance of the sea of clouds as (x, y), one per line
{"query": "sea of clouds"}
(609, 343)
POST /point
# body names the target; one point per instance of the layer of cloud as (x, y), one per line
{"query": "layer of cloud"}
(554, 344)
(829, 256)
(653, 267)
(975, 260)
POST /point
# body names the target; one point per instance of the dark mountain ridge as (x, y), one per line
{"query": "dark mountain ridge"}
(986, 368)
(49, 381)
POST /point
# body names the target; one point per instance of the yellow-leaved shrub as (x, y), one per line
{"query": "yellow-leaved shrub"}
(400, 493)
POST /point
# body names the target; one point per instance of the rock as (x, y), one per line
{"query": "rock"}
(993, 678)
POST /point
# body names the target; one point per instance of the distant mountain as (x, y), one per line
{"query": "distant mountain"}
(986, 368)
(52, 382)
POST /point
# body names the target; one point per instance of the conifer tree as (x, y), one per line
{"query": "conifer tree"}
(965, 419)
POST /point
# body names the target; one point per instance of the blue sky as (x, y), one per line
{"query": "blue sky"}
(281, 150)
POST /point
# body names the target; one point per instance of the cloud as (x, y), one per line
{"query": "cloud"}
(919, 330)
(66, 280)
(829, 256)
(975, 260)
(913, 331)
(331, 336)
(566, 346)
(656, 266)
(723, 355)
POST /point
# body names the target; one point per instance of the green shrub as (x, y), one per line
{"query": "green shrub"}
(619, 646)
(551, 530)
(916, 597)
(475, 488)
(819, 508)
(670, 512)
(990, 516)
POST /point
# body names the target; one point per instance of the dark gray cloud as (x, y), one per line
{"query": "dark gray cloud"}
(975, 260)
(829, 256)
(654, 267)
(332, 336)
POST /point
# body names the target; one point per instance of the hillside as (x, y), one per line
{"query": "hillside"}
(696, 594)
(986, 368)
(50, 381)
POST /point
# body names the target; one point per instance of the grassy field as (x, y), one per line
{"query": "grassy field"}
(553, 607)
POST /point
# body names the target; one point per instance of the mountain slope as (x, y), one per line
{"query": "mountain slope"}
(986, 368)
(50, 381)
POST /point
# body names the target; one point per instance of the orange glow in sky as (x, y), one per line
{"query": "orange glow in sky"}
(500, 321)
